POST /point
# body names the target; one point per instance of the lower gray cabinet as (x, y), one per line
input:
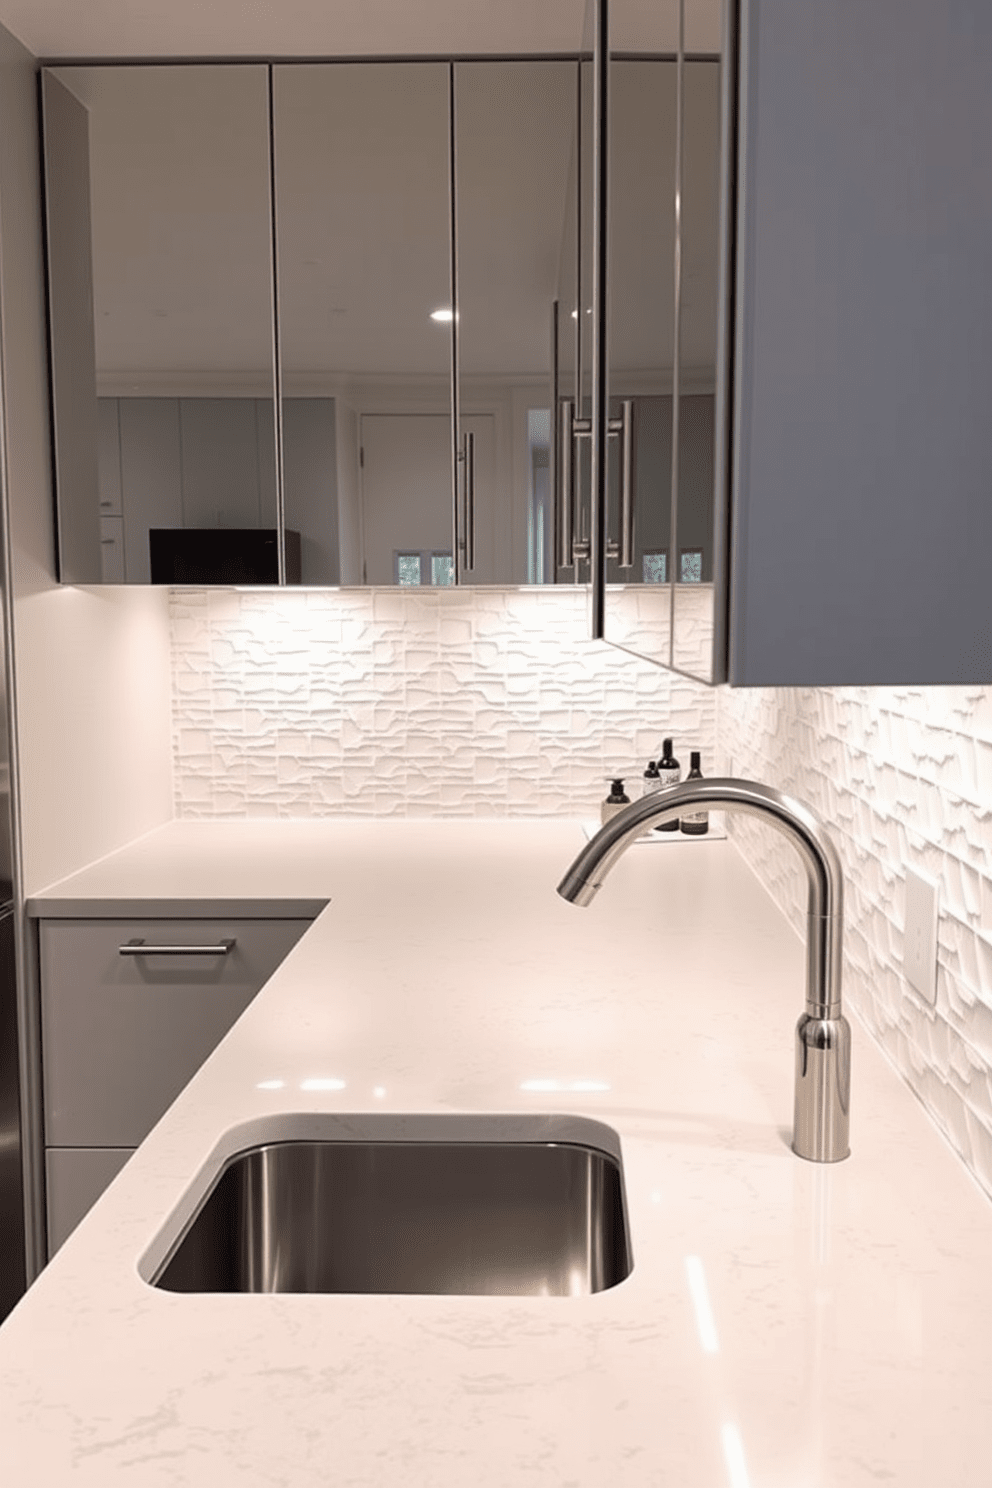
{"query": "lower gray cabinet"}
(75, 1177)
(125, 1028)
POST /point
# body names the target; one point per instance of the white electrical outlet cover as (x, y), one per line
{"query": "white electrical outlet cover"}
(920, 938)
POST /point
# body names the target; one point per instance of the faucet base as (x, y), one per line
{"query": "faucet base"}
(823, 1089)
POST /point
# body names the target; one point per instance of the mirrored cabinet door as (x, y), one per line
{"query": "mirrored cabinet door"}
(157, 185)
(694, 531)
(643, 114)
(361, 159)
(667, 119)
(514, 137)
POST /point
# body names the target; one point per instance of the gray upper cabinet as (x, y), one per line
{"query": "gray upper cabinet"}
(862, 516)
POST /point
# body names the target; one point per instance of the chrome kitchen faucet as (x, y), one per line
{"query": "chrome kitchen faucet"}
(823, 1034)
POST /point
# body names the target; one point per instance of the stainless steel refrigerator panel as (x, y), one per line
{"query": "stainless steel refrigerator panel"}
(12, 1273)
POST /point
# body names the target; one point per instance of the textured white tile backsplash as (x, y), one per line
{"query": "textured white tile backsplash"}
(490, 703)
(416, 702)
(902, 777)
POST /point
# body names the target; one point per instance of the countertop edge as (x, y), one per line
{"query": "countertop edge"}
(167, 908)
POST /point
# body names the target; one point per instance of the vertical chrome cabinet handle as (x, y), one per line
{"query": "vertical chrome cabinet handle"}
(469, 441)
(566, 483)
(600, 362)
(627, 484)
(554, 476)
(457, 537)
(141, 948)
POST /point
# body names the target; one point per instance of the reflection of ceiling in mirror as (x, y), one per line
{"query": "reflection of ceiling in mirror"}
(643, 115)
(362, 209)
(653, 25)
(516, 124)
(179, 208)
(301, 28)
(362, 196)
(181, 235)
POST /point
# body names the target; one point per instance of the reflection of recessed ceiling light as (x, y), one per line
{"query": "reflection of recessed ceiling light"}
(322, 1083)
(442, 315)
(270, 1085)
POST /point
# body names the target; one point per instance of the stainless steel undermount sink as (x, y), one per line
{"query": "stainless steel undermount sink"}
(503, 1218)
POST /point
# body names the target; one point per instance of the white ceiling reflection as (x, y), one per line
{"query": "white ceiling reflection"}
(322, 1082)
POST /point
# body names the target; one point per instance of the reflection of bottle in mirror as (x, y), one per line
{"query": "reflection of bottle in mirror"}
(695, 823)
(614, 802)
(670, 773)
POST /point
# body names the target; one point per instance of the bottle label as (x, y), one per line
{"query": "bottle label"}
(669, 776)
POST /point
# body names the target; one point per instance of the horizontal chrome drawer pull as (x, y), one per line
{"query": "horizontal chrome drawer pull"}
(139, 948)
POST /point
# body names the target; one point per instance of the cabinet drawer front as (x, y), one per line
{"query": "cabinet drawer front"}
(75, 1177)
(123, 1034)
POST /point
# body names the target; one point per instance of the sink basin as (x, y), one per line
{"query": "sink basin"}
(496, 1218)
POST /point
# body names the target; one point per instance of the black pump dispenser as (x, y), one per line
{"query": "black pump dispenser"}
(670, 773)
(615, 801)
(695, 823)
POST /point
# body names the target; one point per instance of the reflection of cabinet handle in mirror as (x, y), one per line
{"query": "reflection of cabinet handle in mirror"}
(572, 549)
(469, 500)
(466, 459)
(139, 948)
(566, 494)
(600, 403)
(626, 433)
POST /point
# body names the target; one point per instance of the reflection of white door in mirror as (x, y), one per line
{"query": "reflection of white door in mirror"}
(406, 493)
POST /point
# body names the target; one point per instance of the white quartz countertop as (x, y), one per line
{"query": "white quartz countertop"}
(851, 1304)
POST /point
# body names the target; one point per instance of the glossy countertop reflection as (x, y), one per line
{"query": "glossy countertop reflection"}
(785, 1325)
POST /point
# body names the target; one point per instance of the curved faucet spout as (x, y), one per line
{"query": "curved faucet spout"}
(823, 1035)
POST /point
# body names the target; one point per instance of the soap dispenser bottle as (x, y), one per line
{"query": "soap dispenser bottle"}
(695, 823)
(652, 780)
(670, 773)
(615, 801)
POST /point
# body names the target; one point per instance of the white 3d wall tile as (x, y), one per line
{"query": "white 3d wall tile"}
(902, 777)
(410, 702)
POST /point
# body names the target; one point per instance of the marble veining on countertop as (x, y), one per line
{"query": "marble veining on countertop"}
(850, 1339)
